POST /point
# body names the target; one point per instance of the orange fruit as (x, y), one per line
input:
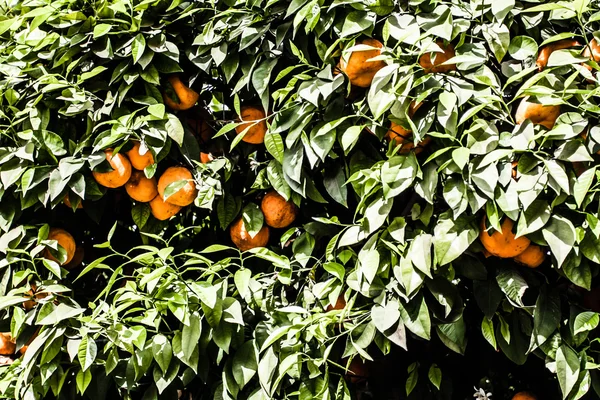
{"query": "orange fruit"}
(592, 51)
(503, 244)
(186, 97)
(140, 188)
(7, 344)
(65, 240)
(278, 212)
(242, 239)
(524, 396)
(67, 202)
(340, 303)
(532, 257)
(544, 54)
(205, 158)
(163, 210)
(119, 175)
(357, 67)
(77, 259)
(254, 118)
(138, 160)
(32, 297)
(538, 114)
(184, 196)
(434, 66)
(403, 136)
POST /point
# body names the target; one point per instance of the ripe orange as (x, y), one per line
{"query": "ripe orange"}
(402, 136)
(67, 202)
(184, 196)
(592, 51)
(140, 188)
(163, 210)
(65, 240)
(278, 212)
(241, 238)
(357, 67)
(434, 66)
(119, 175)
(524, 396)
(7, 344)
(254, 118)
(544, 54)
(186, 97)
(138, 160)
(537, 113)
(532, 257)
(205, 158)
(503, 244)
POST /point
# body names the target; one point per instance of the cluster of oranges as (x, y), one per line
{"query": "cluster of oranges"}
(127, 170)
(505, 244)
(361, 66)
(277, 213)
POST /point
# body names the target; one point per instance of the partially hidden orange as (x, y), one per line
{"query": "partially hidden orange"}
(503, 244)
(65, 240)
(532, 257)
(163, 210)
(140, 188)
(278, 212)
(186, 194)
(358, 66)
(253, 119)
(242, 239)
(186, 97)
(119, 175)
(138, 160)
(431, 62)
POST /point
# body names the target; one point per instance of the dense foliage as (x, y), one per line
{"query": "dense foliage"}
(383, 262)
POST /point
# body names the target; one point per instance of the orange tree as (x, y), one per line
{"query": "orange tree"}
(204, 199)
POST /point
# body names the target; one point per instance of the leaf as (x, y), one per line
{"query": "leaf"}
(488, 296)
(242, 281)
(522, 47)
(83, 380)
(190, 335)
(512, 284)
(487, 329)
(567, 369)
(435, 375)
(175, 129)
(583, 184)
(162, 351)
(385, 317)
(87, 352)
(546, 317)
(101, 30)
(137, 48)
(253, 219)
(244, 365)
(560, 235)
(453, 236)
(413, 377)
(266, 368)
(453, 335)
(416, 317)
(274, 145)
(586, 321)
(334, 181)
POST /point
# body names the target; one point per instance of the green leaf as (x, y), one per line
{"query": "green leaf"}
(453, 236)
(560, 235)
(546, 317)
(567, 369)
(487, 330)
(83, 380)
(435, 375)
(453, 335)
(586, 321)
(253, 219)
(162, 351)
(512, 284)
(101, 30)
(413, 377)
(87, 352)
(244, 365)
(274, 145)
(522, 47)
(174, 129)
